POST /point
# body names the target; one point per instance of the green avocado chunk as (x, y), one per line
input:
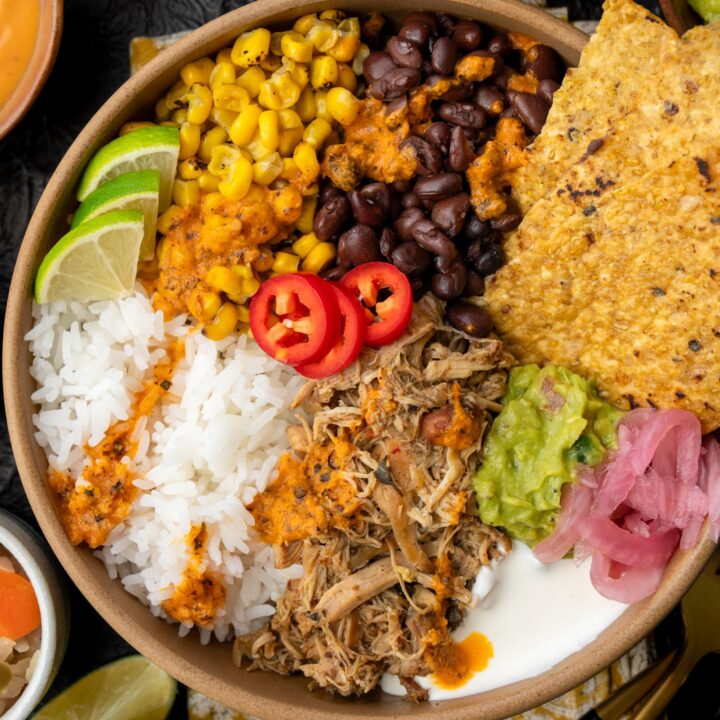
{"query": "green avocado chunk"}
(552, 422)
(709, 10)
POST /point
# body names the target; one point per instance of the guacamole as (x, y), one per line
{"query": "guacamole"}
(552, 421)
(709, 10)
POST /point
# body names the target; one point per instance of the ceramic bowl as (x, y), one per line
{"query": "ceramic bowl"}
(37, 72)
(32, 554)
(209, 668)
(679, 15)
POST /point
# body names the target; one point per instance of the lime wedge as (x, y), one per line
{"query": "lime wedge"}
(95, 261)
(150, 148)
(129, 689)
(132, 191)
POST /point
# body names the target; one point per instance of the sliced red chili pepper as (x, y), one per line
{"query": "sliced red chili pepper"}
(349, 341)
(386, 295)
(294, 318)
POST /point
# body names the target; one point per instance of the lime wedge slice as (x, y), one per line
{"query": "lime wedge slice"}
(150, 148)
(129, 689)
(132, 191)
(95, 261)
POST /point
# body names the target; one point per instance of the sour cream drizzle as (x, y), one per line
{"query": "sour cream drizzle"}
(534, 615)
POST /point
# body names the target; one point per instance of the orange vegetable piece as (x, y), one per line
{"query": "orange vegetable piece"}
(19, 610)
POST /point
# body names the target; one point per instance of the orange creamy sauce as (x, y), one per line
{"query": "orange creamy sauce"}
(19, 23)
(92, 507)
(308, 496)
(492, 170)
(200, 594)
(221, 232)
(463, 429)
(462, 660)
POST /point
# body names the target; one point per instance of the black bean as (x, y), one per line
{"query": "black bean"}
(461, 152)
(334, 274)
(387, 243)
(399, 81)
(403, 52)
(378, 194)
(464, 114)
(358, 245)
(411, 259)
(437, 187)
(502, 77)
(544, 63)
(475, 228)
(429, 158)
(396, 208)
(447, 23)
(332, 217)
(506, 222)
(415, 31)
(471, 319)
(490, 99)
(449, 214)
(377, 65)
(489, 260)
(403, 225)
(410, 200)
(444, 54)
(475, 284)
(500, 44)
(546, 90)
(427, 18)
(328, 191)
(397, 106)
(443, 265)
(509, 112)
(449, 285)
(417, 285)
(531, 109)
(427, 235)
(467, 35)
(401, 186)
(459, 93)
(438, 135)
(365, 211)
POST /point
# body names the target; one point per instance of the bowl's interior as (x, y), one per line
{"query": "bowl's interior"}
(41, 62)
(209, 669)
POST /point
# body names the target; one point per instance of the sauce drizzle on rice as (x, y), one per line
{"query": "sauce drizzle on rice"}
(200, 594)
(91, 507)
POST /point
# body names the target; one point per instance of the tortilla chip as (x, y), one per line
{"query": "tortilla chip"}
(628, 294)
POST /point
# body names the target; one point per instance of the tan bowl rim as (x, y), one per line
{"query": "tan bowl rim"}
(37, 72)
(629, 629)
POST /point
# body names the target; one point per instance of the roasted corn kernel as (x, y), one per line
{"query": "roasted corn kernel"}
(268, 169)
(342, 105)
(289, 140)
(319, 258)
(303, 24)
(222, 158)
(162, 111)
(306, 159)
(169, 218)
(189, 140)
(305, 106)
(198, 71)
(212, 138)
(237, 183)
(285, 263)
(317, 132)
(243, 314)
(223, 118)
(256, 149)
(321, 109)
(276, 42)
(177, 95)
(346, 77)
(304, 244)
(345, 48)
(223, 279)
(289, 119)
(251, 80)
(271, 63)
(186, 193)
(307, 214)
(204, 304)
(280, 92)
(129, 127)
(191, 169)
(251, 48)
(323, 35)
(290, 169)
(208, 183)
(179, 116)
(200, 103)
(323, 72)
(300, 75)
(333, 16)
(269, 130)
(222, 74)
(223, 324)
(295, 47)
(224, 56)
(245, 125)
(361, 55)
(231, 97)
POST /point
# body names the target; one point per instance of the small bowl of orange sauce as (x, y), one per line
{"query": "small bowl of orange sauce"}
(29, 38)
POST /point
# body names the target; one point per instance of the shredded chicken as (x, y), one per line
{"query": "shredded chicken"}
(391, 574)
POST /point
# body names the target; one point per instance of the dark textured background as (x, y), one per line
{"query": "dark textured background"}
(92, 63)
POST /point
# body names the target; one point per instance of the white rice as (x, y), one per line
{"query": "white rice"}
(212, 445)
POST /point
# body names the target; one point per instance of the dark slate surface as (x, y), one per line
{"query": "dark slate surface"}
(92, 63)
